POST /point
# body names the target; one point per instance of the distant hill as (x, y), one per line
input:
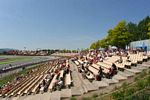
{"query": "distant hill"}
(5, 50)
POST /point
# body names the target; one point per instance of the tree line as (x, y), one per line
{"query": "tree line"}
(124, 33)
(62, 51)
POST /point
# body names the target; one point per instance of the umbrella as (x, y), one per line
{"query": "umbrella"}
(114, 47)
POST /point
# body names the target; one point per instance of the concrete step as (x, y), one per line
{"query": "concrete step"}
(110, 81)
(23, 97)
(65, 93)
(80, 84)
(72, 65)
(148, 62)
(76, 91)
(89, 85)
(142, 67)
(125, 74)
(55, 95)
(76, 77)
(115, 80)
(84, 89)
(33, 97)
(129, 73)
(3, 98)
(13, 98)
(146, 65)
(139, 68)
(100, 84)
(46, 96)
(135, 71)
(119, 77)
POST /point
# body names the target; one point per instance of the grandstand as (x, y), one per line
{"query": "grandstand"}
(76, 76)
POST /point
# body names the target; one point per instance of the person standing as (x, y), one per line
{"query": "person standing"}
(100, 72)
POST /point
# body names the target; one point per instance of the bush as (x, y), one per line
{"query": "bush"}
(149, 72)
(129, 98)
(124, 86)
(136, 79)
(86, 98)
(115, 88)
(140, 84)
(141, 96)
(101, 94)
(118, 95)
(142, 74)
(148, 80)
(130, 91)
(73, 98)
(95, 95)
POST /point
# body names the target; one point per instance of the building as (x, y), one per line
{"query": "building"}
(144, 44)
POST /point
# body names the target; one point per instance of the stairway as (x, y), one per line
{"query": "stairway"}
(100, 84)
(65, 93)
(119, 77)
(125, 74)
(77, 82)
(135, 71)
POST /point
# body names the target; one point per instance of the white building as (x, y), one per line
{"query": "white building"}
(145, 44)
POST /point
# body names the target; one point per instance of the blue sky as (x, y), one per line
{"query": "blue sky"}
(63, 24)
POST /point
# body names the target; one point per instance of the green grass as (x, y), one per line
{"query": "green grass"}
(132, 89)
(73, 98)
(17, 59)
(11, 77)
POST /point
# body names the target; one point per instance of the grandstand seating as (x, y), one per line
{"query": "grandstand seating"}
(78, 76)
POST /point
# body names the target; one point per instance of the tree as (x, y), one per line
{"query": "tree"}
(94, 45)
(119, 35)
(143, 28)
(74, 51)
(133, 30)
(124, 33)
(103, 43)
(148, 33)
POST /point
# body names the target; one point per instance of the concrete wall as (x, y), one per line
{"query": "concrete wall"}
(14, 71)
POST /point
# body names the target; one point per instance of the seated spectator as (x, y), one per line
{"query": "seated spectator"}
(120, 60)
(82, 66)
(60, 83)
(114, 68)
(86, 70)
(39, 86)
(44, 82)
(101, 59)
(84, 75)
(128, 59)
(109, 74)
(49, 77)
(100, 72)
(98, 77)
(79, 70)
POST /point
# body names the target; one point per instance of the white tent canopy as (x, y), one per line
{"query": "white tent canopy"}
(113, 47)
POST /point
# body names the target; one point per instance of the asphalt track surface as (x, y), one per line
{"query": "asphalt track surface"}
(14, 65)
